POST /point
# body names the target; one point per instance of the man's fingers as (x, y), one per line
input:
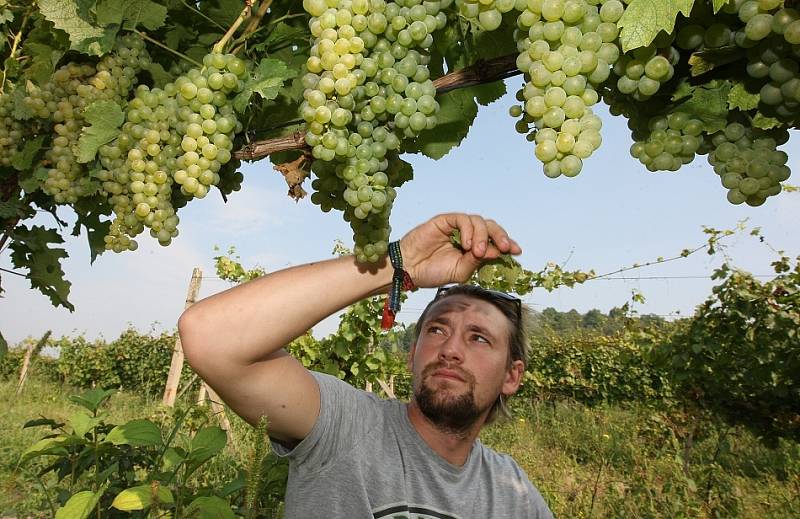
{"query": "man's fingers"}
(480, 236)
(463, 223)
(501, 240)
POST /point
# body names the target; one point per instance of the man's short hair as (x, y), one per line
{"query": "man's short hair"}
(518, 316)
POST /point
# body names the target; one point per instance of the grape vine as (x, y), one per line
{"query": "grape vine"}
(126, 110)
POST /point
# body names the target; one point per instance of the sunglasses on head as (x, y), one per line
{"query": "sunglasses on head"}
(494, 295)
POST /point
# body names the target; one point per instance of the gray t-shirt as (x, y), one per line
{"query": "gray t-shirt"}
(363, 458)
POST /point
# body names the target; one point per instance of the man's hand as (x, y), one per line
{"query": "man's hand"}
(431, 260)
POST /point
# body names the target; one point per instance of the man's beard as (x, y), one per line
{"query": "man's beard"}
(454, 415)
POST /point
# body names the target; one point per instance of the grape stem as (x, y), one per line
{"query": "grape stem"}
(481, 72)
(173, 51)
(220, 46)
(14, 48)
(255, 20)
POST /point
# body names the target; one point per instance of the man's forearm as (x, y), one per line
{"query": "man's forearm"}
(248, 323)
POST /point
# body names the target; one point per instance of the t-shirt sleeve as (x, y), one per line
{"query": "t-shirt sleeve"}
(346, 416)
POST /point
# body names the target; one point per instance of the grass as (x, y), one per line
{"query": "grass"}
(587, 462)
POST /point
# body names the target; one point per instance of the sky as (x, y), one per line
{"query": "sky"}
(614, 214)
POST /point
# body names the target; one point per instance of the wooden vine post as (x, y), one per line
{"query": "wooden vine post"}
(175, 368)
(30, 355)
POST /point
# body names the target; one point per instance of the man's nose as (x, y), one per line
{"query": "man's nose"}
(452, 349)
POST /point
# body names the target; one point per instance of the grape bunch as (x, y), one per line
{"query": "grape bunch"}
(367, 88)
(12, 131)
(487, 13)
(174, 144)
(61, 102)
(567, 49)
(748, 162)
(774, 65)
(642, 73)
(673, 140)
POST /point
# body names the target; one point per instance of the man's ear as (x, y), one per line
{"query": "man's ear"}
(513, 379)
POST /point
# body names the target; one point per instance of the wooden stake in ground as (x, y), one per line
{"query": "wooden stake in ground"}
(31, 353)
(175, 368)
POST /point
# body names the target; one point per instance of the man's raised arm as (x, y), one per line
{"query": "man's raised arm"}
(234, 339)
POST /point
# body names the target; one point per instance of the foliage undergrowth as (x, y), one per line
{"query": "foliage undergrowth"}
(601, 461)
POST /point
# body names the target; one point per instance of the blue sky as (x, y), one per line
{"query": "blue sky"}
(615, 213)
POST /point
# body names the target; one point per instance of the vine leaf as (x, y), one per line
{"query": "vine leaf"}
(31, 249)
(23, 159)
(644, 19)
(708, 103)
(707, 60)
(73, 17)
(267, 82)
(132, 13)
(43, 61)
(103, 120)
(89, 211)
(740, 98)
(765, 122)
(457, 112)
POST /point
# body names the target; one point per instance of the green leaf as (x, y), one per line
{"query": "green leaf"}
(141, 497)
(23, 159)
(3, 346)
(132, 13)
(644, 19)
(21, 109)
(764, 122)
(399, 171)
(34, 181)
(6, 15)
(223, 12)
(160, 76)
(104, 118)
(171, 459)
(267, 80)
(211, 507)
(457, 112)
(138, 433)
(45, 447)
(719, 4)
(740, 99)
(92, 399)
(80, 505)
(89, 212)
(205, 445)
(74, 18)
(43, 60)
(709, 104)
(707, 60)
(32, 250)
(82, 423)
(15, 208)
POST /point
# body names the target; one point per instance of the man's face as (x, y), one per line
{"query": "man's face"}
(460, 362)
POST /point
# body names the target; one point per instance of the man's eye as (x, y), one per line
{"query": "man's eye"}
(480, 338)
(435, 329)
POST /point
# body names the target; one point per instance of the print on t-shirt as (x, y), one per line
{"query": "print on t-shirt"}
(404, 511)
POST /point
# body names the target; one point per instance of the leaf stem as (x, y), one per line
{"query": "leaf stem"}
(14, 48)
(248, 6)
(202, 14)
(166, 48)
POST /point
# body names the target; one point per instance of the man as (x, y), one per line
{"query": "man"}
(351, 454)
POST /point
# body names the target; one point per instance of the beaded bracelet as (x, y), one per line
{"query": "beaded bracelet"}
(400, 281)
